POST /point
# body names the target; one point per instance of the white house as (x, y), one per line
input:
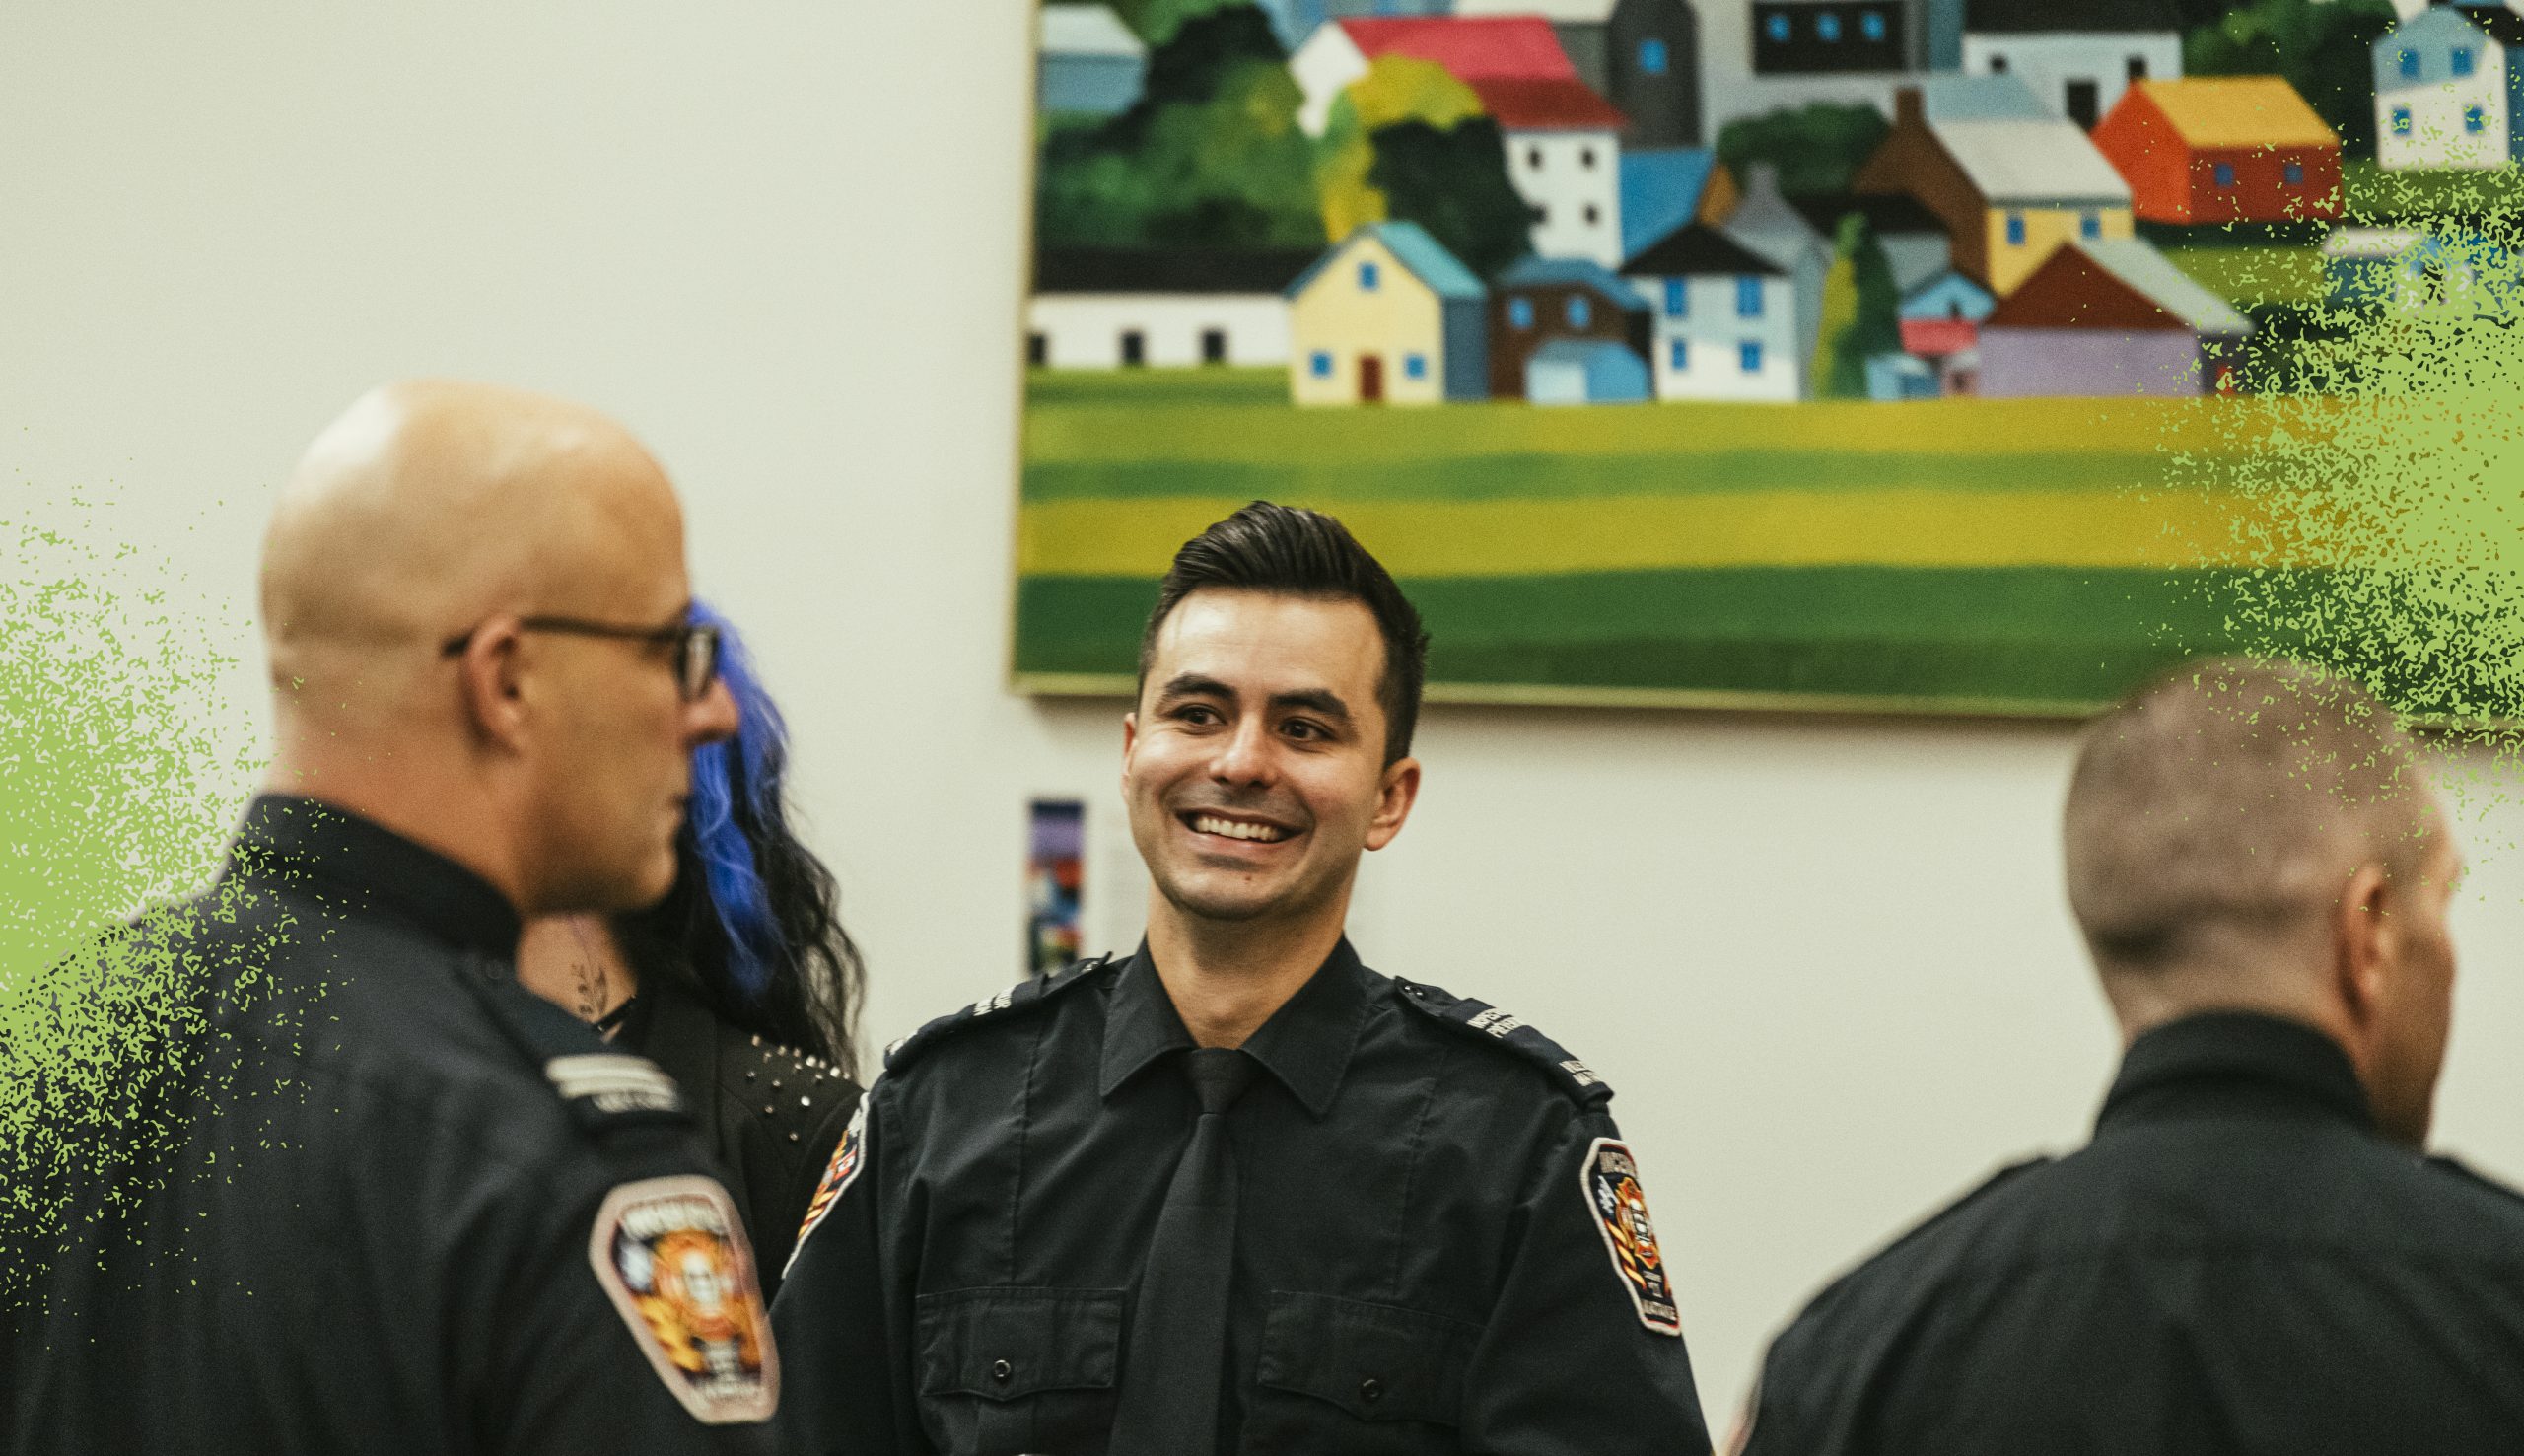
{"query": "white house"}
(1725, 324)
(2449, 92)
(1562, 140)
(1770, 226)
(2076, 56)
(1126, 308)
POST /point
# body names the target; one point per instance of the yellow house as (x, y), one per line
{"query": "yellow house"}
(2010, 181)
(2020, 236)
(1387, 316)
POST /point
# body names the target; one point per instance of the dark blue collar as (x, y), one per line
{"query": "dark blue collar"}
(1307, 1043)
(331, 853)
(2208, 1058)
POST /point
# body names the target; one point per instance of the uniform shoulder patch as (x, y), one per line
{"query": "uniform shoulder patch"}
(839, 1174)
(671, 1254)
(1609, 1181)
(1020, 997)
(1486, 1023)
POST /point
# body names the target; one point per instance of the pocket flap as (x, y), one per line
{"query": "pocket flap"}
(1377, 1362)
(1002, 1344)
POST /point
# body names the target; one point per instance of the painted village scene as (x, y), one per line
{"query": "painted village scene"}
(1759, 352)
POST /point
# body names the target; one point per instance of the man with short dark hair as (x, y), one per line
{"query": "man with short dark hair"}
(321, 1177)
(2251, 1255)
(1237, 1192)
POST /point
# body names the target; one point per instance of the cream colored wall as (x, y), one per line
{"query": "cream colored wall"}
(1400, 317)
(2045, 228)
(1823, 961)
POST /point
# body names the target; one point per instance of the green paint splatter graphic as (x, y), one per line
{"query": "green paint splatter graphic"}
(115, 767)
(2383, 489)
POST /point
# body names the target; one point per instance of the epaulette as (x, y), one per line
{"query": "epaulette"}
(1485, 1022)
(1022, 997)
(1950, 1212)
(604, 1090)
(2472, 1175)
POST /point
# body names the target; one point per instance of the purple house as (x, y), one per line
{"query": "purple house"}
(2111, 317)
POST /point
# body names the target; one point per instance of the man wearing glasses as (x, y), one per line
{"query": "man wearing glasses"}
(357, 1190)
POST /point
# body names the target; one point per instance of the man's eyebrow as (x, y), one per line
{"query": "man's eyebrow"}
(1315, 700)
(1195, 685)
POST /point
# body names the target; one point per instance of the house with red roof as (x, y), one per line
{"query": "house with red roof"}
(1562, 137)
(2223, 149)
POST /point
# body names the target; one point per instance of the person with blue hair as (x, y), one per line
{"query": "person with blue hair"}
(741, 984)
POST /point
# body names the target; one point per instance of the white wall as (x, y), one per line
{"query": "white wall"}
(1822, 960)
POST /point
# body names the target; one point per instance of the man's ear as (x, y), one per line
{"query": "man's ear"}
(1395, 794)
(489, 671)
(2362, 935)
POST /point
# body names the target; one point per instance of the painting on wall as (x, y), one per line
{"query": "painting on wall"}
(1797, 353)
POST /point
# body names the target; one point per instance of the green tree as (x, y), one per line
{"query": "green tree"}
(1211, 156)
(1453, 182)
(1816, 148)
(1861, 312)
(2324, 47)
(1396, 88)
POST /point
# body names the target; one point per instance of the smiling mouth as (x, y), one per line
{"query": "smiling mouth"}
(1252, 831)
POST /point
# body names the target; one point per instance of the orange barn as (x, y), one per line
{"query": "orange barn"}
(2223, 149)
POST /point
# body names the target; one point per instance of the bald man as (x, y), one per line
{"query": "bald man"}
(360, 1193)
(2251, 1255)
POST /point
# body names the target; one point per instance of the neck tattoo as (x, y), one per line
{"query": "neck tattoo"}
(588, 969)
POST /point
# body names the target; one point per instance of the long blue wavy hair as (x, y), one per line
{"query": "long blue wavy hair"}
(755, 917)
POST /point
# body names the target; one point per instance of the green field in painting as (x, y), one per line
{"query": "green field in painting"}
(1984, 638)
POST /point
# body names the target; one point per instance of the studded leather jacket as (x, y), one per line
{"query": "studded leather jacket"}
(771, 1114)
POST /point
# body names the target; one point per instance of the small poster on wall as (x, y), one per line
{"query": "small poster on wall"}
(1055, 860)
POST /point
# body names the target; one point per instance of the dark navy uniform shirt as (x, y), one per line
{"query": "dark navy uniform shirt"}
(350, 1189)
(1441, 1245)
(2237, 1263)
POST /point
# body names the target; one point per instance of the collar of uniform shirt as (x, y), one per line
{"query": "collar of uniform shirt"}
(331, 853)
(2235, 1049)
(1307, 1043)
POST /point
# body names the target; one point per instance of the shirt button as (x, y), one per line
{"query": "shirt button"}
(1371, 1390)
(1000, 1370)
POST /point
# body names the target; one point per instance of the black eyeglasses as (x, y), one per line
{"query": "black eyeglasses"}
(696, 648)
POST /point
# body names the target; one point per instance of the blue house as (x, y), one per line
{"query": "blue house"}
(2406, 268)
(1662, 189)
(1540, 302)
(2449, 89)
(1089, 62)
(1585, 371)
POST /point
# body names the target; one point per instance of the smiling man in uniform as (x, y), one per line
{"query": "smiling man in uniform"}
(1237, 1192)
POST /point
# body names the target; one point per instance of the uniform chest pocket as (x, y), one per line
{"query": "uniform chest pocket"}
(1012, 1369)
(1355, 1361)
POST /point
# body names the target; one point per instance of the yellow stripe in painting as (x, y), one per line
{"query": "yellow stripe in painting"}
(1484, 539)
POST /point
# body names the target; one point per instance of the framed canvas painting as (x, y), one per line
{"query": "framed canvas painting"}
(1838, 354)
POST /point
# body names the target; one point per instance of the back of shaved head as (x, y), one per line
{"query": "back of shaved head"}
(474, 600)
(431, 504)
(2231, 801)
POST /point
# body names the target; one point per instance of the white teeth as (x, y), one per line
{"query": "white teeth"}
(1234, 829)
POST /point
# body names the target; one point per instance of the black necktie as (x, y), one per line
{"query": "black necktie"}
(1177, 1347)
